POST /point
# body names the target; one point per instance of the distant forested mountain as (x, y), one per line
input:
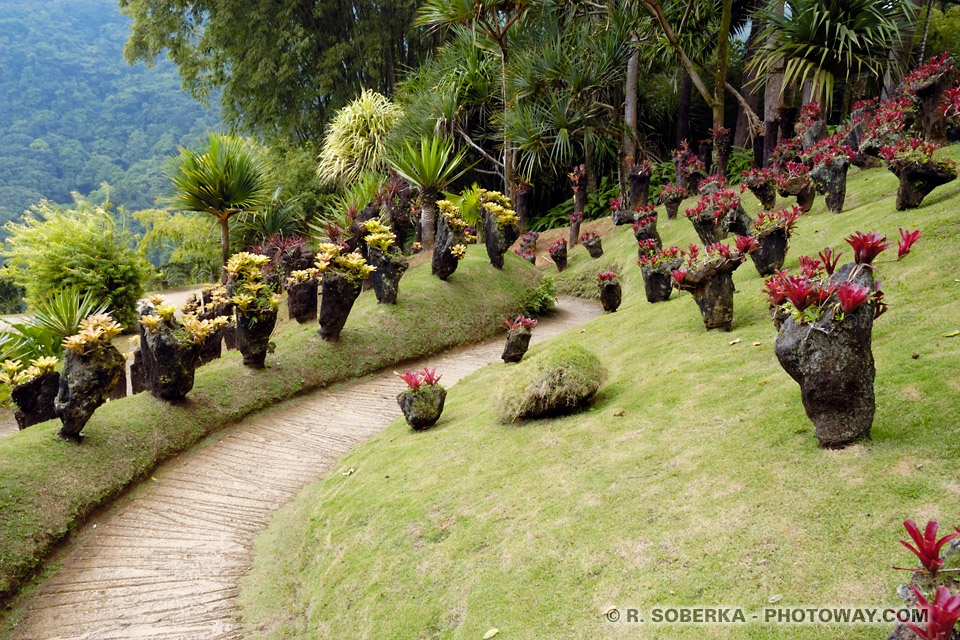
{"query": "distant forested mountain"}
(74, 114)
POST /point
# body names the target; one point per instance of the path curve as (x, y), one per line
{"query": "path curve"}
(165, 561)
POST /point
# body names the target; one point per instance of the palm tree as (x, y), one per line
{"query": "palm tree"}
(820, 41)
(430, 167)
(223, 177)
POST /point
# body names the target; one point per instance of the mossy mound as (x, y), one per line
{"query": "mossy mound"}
(553, 382)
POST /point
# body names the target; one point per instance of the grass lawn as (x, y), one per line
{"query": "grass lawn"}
(694, 479)
(48, 486)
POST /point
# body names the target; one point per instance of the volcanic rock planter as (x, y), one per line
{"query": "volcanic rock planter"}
(833, 364)
(657, 285)
(444, 261)
(302, 301)
(762, 184)
(830, 177)
(639, 179)
(138, 376)
(422, 407)
(671, 197)
(339, 294)
(173, 362)
(558, 253)
(518, 341)
(34, 400)
(212, 347)
(254, 327)
(610, 294)
(802, 188)
(390, 267)
(498, 239)
(917, 180)
(712, 288)
(86, 381)
(646, 229)
(621, 217)
(593, 246)
(772, 252)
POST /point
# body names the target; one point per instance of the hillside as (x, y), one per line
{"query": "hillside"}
(74, 114)
(694, 479)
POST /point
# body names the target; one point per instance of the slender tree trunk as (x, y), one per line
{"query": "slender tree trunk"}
(428, 217)
(926, 30)
(224, 247)
(508, 152)
(629, 146)
(589, 160)
(683, 107)
(771, 105)
(719, 88)
(750, 92)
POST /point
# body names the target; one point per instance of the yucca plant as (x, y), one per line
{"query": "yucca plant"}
(63, 312)
(224, 176)
(355, 143)
(430, 166)
(821, 41)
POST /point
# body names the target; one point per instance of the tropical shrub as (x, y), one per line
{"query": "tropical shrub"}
(53, 248)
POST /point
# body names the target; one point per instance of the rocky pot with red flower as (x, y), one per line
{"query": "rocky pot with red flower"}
(518, 338)
(501, 227)
(810, 129)
(610, 292)
(671, 197)
(255, 306)
(592, 244)
(763, 184)
(825, 344)
(529, 241)
(387, 261)
(620, 213)
(422, 402)
(33, 389)
(451, 234)
(709, 278)
(657, 265)
(558, 253)
(794, 180)
(912, 162)
(830, 158)
(711, 184)
(527, 254)
(717, 214)
(772, 232)
(927, 85)
(91, 368)
(341, 275)
(646, 225)
(638, 177)
(690, 170)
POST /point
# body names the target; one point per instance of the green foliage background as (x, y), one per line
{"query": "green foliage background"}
(74, 114)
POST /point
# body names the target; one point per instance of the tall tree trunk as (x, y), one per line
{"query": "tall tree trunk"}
(751, 92)
(508, 151)
(589, 160)
(428, 217)
(719, 88)
(771, 105)
(926, 30)
(683, 107)
(629, 146)
(224, 247)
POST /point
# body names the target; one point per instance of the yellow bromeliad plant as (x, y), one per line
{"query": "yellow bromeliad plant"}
(95, 331)
(451, 213)
(352, 266)
(245, 271)
(379, 236)
(13, 373)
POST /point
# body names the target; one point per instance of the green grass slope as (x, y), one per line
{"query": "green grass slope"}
(695, 479)
(47, 486)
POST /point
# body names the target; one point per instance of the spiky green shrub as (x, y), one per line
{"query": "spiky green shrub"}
(54, 248)
(355, 143)
(553, 382)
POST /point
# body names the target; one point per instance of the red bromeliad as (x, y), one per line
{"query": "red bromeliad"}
(941, 614)
(747, 244)
(907, 238)
(430, 377)
(830, 259)
(678, 275)
(414, 379)
(799, 290)
(589, 235)
(521, 321)
(607, 275)
(718, 249)
(810, 267)
(774, 290)
(928, 546)
(867, 246)
(852, 296)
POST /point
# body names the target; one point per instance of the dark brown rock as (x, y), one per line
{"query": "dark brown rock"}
(422, 407)
(34, 400)
(610, 295)
(518, 341)
(85, 383)
(302, 301)
(386, 279)
(253, 335)
(339, 294)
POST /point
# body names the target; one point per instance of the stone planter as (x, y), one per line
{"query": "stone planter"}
(830, 178)
(337, 300)
(559, 257)
(672, 207)
(801, 187)
(230, 336)
(173, 363)
(930, 95)
(444, 263)
(302, 301)
(253, 335)
(623, 216)
(422, 407)
(833, 364)
(639, 179)
(707, 229)
(712, 288)
(34, 400)
(518, 340)
(656, 285)
(766, 193)
(85, 383)
(610, 295)
(918, 180)
(386, 279)
(212, 347)
(138, 376)
(497, 239)
(772, 252)
(594, 247)
(647, 231)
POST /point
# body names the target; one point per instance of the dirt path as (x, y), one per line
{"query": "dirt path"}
(165, 561)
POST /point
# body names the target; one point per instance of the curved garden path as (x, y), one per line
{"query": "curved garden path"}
(165, 561)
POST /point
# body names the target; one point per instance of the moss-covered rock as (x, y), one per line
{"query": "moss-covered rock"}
(553, 382)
